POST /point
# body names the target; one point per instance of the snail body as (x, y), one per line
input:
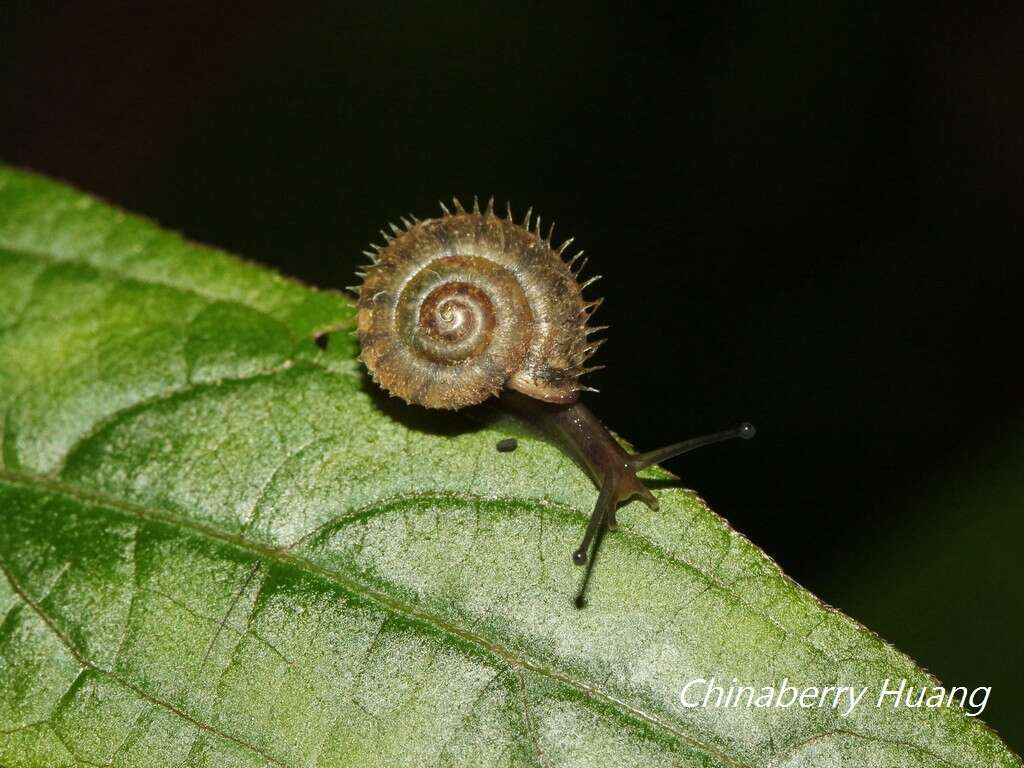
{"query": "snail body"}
(470, 306)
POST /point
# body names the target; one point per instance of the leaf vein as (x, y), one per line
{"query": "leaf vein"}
(46, 619)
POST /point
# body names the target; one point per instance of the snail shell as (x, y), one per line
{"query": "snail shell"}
(454, 309)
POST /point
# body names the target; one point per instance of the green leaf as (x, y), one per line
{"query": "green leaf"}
(221, 546)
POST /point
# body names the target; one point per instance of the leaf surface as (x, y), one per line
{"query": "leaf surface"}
(221, 547)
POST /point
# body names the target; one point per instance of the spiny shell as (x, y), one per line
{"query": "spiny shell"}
(453, 309)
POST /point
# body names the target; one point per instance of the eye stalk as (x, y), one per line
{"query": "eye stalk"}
(744, 431)
(614, 471)
(604, 510)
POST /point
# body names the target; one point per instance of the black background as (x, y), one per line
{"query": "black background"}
(807, 215)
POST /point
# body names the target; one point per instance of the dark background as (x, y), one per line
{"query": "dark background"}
(807, 215)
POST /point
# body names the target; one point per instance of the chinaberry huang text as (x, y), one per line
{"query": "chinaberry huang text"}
(845, 699)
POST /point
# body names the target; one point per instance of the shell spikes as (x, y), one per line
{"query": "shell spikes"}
(552, 288)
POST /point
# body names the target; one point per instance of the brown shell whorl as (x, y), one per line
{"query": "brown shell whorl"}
(453, 309)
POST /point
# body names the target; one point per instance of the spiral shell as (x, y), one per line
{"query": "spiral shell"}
(453, 309)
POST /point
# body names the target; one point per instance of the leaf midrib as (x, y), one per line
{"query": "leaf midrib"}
(386, 601)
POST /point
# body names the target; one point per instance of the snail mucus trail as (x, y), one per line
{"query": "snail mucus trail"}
(470, 306)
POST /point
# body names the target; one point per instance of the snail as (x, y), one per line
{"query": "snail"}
(470, 306)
